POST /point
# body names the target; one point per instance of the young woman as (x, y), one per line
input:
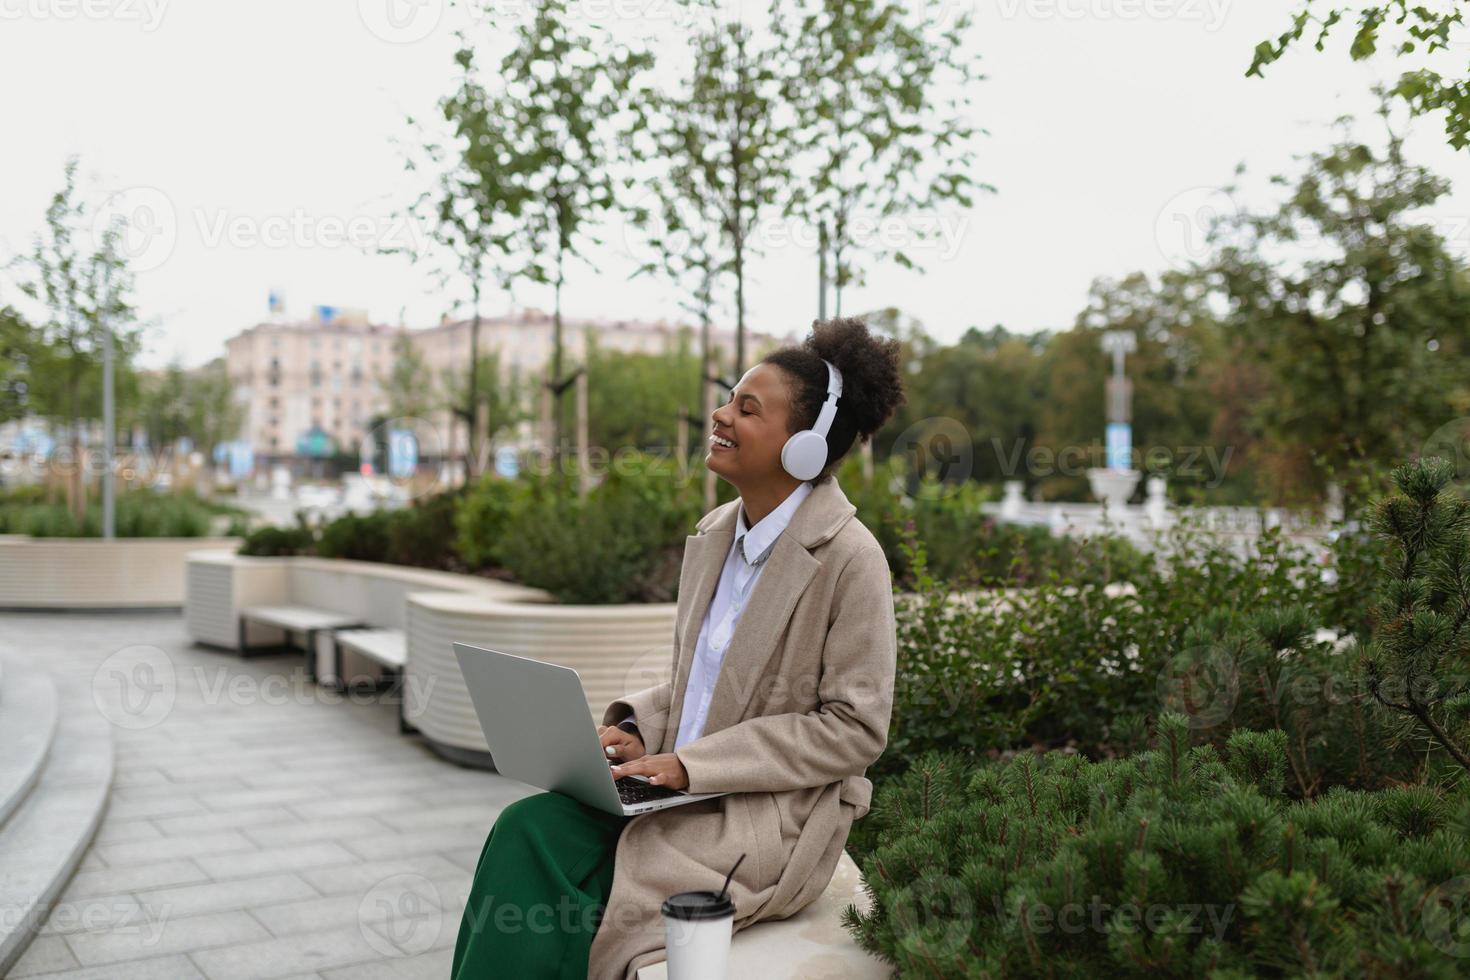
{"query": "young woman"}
(781, 691)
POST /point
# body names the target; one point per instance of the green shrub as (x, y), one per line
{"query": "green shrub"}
(1174, 862)
(483, 519)
(137, 514)
(278, 542)
(359, 537)
(622, 543)
(423, 534)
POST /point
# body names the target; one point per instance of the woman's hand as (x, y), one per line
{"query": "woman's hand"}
(626, 745)
(663, 769)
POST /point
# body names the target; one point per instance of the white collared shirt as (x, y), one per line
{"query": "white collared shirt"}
(743, 564)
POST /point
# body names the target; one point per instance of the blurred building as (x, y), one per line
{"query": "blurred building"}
(300, 380)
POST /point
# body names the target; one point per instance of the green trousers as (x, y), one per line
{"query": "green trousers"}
(539, 892)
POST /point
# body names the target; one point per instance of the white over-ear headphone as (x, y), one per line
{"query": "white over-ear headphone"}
(805, 452)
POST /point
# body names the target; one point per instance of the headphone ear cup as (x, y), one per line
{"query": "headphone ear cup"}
(804, 454)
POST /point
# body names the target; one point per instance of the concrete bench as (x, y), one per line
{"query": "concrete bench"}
(305, 620)
(387, 648)
(809, 945)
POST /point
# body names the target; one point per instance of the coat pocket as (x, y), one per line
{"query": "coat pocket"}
(770, 848)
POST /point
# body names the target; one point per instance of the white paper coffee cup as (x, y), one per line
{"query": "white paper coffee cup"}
(697, 930)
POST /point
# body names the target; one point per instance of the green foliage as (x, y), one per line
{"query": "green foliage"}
(1175, 861)
(423, 533)
(622, 543)
(360, 537)
(1400, 28)
(1417, 662)
(278, 542)
(138, 514)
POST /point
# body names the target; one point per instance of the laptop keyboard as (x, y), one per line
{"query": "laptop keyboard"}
(636, 791)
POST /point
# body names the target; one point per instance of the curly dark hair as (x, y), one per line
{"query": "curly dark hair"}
(872, 386)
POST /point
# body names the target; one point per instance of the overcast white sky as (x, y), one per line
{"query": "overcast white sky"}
(1109, 120)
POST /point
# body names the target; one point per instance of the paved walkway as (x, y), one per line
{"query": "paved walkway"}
(258, 827)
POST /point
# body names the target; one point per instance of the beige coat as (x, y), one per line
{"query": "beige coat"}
(800, 710)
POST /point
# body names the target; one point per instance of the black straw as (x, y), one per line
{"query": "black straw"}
(731, 875)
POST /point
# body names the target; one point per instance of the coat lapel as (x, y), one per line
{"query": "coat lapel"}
(787, 573)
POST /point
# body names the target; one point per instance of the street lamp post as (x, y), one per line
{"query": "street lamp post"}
(1114, 483)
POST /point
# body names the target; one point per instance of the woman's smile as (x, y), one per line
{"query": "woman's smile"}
(721, 443)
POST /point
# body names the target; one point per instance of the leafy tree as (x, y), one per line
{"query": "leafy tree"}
(470, 210)
(502, 402)
(565, 90)
(634, 399)
(736, 142)
(1405, 30)
(408, 384)
(16, 338)
(874, 137)
(1352, 304)
(82, 289)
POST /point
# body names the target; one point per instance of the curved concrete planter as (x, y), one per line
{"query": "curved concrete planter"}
(616, 649)
(61, 573)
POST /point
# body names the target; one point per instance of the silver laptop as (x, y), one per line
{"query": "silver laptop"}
(535, 719)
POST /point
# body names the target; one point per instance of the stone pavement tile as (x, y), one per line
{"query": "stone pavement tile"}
(163, 968)
(117, 831)
(360, 876)
(168, 934)
(289, 955)
(139, 776)
(502, 793)
(91, 861)
(302, 831)
(351, 908)
(479, 814)
(319, 775)
(433, 965)
(162, 806)
(45, 954)
(261, 797)
(182, 846)
(169, 791)
(405, 843)
(224, 896)
(243, 819)
(247, 864)
(351, 806)
(92, 913)
(115, 880)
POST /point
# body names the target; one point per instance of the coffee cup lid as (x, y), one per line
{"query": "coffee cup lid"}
(694, 906)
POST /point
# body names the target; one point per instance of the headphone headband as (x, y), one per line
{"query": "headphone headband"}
(823, 425)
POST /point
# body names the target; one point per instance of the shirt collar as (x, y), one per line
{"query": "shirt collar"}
(759, 539)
